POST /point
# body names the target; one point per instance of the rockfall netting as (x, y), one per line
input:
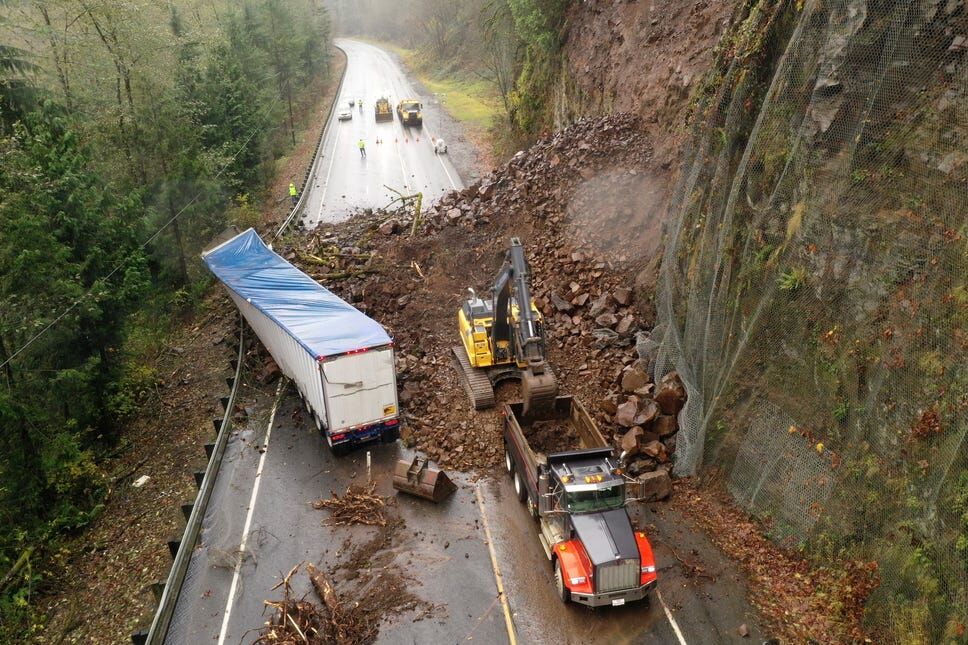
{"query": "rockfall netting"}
(813, 291)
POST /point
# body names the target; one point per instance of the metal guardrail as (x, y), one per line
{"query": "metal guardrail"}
(158, 631)
(316, 155)
(176, 577)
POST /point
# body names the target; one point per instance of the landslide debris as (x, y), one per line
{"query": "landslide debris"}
(583, 260)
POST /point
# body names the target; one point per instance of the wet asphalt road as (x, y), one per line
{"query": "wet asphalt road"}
(222, 600)
(442, 547)
(343, 181)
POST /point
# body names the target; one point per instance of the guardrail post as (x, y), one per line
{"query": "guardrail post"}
(199, 477)
(209, 448)
(187, 510)
(139, 637)
(173, 545)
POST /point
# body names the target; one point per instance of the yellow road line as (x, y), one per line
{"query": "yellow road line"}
(497, 571)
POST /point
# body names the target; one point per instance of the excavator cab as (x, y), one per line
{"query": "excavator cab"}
(503, 338)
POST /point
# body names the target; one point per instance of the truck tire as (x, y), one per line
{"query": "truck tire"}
(519, 487)
(507, 462)
(563, 591)
(389, 436)
(319, 424)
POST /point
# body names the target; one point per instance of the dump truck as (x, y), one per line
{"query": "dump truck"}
(382, 109)
(576, 494)
(340, 360)
(410, 112)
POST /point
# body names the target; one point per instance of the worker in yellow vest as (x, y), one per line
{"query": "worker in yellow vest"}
(362, 146)
(293, 193)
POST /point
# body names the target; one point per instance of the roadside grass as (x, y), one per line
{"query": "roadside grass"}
(468, 99)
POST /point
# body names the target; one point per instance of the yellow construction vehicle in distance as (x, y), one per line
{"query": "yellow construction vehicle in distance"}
(503, 338)
(382, 109)
(410, 112)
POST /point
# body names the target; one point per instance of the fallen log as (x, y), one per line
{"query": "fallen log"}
(326, 592)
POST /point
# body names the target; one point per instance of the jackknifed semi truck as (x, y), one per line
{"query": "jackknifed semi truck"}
(340, 360)
(577, 497)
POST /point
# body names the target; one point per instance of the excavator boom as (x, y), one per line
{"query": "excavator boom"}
(506, 337)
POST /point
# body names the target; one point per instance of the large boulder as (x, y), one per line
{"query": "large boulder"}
(634, 379)
(671, 394)
(625, 415)
(653, 486)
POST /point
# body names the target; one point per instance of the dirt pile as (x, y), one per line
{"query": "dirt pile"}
(583, 267)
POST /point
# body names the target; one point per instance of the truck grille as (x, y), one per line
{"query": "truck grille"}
(618, 575)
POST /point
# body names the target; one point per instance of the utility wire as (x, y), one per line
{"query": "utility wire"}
(142, 247)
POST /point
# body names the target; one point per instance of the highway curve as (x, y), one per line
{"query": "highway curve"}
(396, 156)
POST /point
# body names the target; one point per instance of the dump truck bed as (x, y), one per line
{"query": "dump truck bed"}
(568, 427)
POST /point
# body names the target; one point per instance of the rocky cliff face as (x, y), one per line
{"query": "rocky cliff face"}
(812, 293)
(640, 57)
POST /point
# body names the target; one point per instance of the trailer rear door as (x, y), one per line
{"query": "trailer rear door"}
(360, 388)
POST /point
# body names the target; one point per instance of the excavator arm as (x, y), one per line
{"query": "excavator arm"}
(522, 335)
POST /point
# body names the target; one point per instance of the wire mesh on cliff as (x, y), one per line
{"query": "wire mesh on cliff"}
(813, 293)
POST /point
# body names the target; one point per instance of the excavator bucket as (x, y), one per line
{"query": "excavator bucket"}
(418, 478)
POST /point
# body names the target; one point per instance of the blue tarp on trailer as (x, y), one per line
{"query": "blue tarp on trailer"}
(314, 316)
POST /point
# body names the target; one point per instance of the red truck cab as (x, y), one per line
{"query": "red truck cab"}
(578, 499)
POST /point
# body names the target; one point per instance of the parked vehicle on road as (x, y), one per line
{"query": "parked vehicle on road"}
(340, 360)
(410, 112)
(382, 109)
(345, 114)
(577, 497)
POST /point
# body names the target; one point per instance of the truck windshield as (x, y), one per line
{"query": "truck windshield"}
(595, 500)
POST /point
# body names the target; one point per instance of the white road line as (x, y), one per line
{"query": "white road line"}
(449, 178)
(248, 519)
(406, 183)
(508, 623)
(332, 158)
(672, 621)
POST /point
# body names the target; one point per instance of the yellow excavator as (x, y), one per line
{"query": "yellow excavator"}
(503, 338)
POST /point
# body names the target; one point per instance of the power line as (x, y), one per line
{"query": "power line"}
(142, 247)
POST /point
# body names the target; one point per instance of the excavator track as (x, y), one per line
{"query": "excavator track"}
(476, 383)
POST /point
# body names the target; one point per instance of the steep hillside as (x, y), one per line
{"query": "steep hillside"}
(810, 172)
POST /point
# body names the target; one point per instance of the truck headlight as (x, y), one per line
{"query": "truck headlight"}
(650, 569)
(579, 580)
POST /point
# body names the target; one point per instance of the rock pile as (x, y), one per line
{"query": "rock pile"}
(414, 285)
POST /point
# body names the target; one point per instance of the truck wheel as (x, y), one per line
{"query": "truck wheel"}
(563, 591)
(319, 424)
(306, 403)
(507, 462)
(532, 508)
(519, 487)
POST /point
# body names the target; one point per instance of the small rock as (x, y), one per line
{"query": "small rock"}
(607, 320)
(580, 300)
(623, 296)
(390, 227)
(560, 303)
(625, 324)
(743, 631)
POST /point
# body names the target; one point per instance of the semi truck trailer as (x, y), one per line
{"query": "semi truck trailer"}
(577, 498)
(340, 360)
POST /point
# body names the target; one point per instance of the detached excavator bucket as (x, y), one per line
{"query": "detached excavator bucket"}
(418, 478)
